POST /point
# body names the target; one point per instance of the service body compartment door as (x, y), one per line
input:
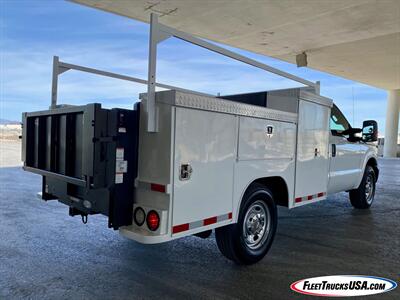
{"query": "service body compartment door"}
(312, 164)
(205, 153)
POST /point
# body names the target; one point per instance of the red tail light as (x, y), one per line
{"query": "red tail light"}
(153, 220)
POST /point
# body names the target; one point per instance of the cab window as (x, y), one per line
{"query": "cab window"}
(338, 122)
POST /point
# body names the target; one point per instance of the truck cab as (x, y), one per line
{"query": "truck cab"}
(352, 150)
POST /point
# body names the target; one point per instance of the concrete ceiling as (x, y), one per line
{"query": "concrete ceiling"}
(355, 39)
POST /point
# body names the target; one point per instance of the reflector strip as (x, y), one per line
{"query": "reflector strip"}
(309, 197)
(210, 221)
(201, 223)
(157, 187)
(180, 228)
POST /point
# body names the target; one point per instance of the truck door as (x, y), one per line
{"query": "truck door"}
(345, 160)
(312, 163)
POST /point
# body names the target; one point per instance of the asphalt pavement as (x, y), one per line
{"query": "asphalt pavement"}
(45, 254)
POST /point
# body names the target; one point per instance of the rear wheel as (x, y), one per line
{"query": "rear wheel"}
(247, 241)
(363, 196)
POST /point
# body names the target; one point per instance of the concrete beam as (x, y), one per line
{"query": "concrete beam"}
(357, 39)
(392, 124)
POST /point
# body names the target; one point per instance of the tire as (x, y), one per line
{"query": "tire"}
(249, 244)
(363, 196)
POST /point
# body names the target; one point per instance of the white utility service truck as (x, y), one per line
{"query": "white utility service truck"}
(184, 163)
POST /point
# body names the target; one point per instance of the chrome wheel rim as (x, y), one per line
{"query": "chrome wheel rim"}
(369, 189)
(256, 225)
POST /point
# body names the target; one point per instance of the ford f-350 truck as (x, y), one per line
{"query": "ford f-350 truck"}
(183, 163)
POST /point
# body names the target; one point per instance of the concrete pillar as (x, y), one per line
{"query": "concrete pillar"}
(392, 124)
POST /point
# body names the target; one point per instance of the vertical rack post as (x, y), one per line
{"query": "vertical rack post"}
(317, 87)
(54, 82)
(151, 81)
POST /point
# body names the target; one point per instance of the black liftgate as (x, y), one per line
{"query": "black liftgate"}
(87, 156)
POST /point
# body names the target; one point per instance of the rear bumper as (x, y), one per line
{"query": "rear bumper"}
(143, 236)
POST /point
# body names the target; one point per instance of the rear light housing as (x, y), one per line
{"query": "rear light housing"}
(153, 220)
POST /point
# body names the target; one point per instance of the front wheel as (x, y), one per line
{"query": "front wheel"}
(363, 196)
(247, 241)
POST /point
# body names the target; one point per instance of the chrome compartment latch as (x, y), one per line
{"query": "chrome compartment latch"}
(185, 172)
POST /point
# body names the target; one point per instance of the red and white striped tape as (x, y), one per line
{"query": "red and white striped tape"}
(201, 223)
(309, 197)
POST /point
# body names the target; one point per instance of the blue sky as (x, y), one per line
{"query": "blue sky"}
(33, 31)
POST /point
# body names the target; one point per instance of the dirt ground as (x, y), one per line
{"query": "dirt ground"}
(10, 153)
(10, 145)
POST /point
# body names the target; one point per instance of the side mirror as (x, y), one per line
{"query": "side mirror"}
(370, 131)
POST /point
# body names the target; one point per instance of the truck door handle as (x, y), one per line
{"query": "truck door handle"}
(333, 150)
